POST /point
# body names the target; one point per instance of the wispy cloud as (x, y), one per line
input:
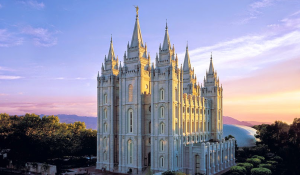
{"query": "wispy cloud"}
(9, 77)
(33, 4)
(59, 78)
(261, 4)
(41, 36)
(3, 94)
(8, 39)
(5, 69)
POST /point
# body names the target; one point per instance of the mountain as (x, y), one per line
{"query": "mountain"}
(90, 122)
(233, 121)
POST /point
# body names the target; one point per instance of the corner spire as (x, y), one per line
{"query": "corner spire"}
(187, 63)
(137, 39)
(111, 53)
(211, 66)
(166, 43)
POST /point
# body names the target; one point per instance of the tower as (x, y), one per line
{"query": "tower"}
(134, 85)
(107, 96)
(214, 96)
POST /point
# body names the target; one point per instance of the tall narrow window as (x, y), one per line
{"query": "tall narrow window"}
(162, 112)
(162, 128)
(193, 126)
(130, 120)
(105, 155)
(161, 145)
(104, 142)
(176, 128)
(149, 127)
(162, 161)
(176, 95)
(197, 127)
(177, 163)
(183, 127)
(130, 93)
(162, 94)
(130, 151)
(207, 126)
(105, 127)
(105, 98)
(105, 113)
(188, 126)
(176, 112)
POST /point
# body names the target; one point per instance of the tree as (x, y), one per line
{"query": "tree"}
(260, 171)
(238, 170)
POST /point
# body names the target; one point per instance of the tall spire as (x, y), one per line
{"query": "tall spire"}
(166, 43)
(137, 39)
(111, 53)
(187, 63)
(211, 66)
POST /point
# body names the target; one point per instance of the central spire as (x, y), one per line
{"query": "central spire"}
(137, 39)
(211, 66)
(166, 44)
(187, 63)
(111, 53)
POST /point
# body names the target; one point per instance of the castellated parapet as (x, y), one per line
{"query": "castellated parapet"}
(157, 116)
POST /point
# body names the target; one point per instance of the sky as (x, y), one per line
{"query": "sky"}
(51, 51)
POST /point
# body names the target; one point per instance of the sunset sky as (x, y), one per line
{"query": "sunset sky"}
(51, 51)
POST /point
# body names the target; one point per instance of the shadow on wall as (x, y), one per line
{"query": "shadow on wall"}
(244, 135)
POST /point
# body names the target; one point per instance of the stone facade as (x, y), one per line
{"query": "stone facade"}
(159, 116)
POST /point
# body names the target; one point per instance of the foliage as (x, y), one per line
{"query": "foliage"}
(259, 157)
(277, 159)
(35, 139)
(260, 171)
(247, 166)
(173, 173)
(254, 161)
(238, 170)
(268, 166)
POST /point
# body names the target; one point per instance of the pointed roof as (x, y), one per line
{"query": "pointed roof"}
(166, 43)
(137, 39)
(187, 63)
(211, 66)
(111, 53)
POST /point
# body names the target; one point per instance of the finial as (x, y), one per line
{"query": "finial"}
(166, 24)
(187, 45)
(211, 56)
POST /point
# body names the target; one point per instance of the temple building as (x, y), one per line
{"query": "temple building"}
(157, 116)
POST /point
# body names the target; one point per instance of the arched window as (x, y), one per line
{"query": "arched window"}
(176, 94)
(105, 113)
(162, 162)
(192, 110)
(130, 93)
(104, 142)
(176, 128)
(197, 138)
(188, 110)
(177, 163)
(208, 112)
(149, 140)
(162, 94)
(162, 128)
(130, 151)
(176, 112)
(183, 127)
(105, 98)
(162, 112)
(188, 126)
(150, 108)
(197, 127)
(105, 127)
(150, 127)
(104, 155)
(161, 143)
(130, 120)
(193, 126)
(201, 137)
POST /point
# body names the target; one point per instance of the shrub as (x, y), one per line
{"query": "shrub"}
(248, 166)
(277, 158)
(272, 162)
(260, 171)
(259, 157)
(269, 166)
(238, 170)
(254, 161)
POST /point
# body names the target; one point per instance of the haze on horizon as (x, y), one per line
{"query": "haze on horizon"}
(51, 51)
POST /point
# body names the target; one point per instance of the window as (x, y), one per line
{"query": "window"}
(197, 138)
(176, 95)
(176, 112)
(161, 143)
(130, 120)
(105, 98)
(105, 127)
(162, 94)
(176, 128)
(150, 108)
(188, 110)
(105, 113)
(208, 112)
(188, 126)
(149, 140)
(104, 155)
(105, 142)
(197, 127)
(162, 128)
(149, 127)
(130, 93)
(207, 126)
(183, 109)
(162, 162)
(192, 110)
(193, 126)
(162, 112)
(183, 127)
(177, 164)
(130, 151)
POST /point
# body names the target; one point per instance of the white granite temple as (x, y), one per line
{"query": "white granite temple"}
(157, 116)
